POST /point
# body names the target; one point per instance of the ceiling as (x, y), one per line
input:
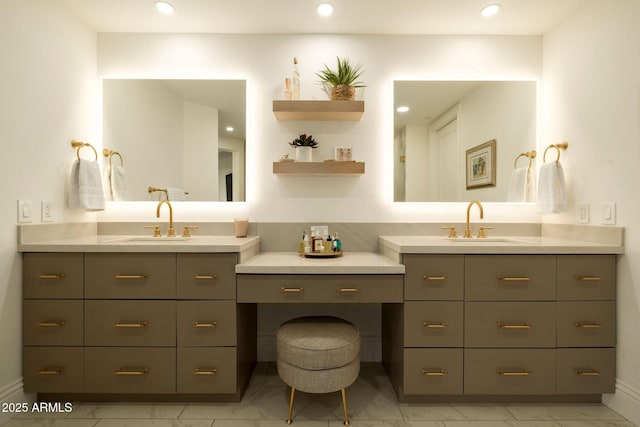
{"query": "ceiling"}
(518, 17)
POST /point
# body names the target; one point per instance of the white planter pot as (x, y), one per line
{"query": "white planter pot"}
(304, 154)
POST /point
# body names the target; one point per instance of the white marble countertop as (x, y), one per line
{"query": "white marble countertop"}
(293, 263)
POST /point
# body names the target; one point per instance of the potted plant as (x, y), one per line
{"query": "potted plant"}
(343, 81)
(304, 145)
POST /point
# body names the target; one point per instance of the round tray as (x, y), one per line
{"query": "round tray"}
(321, 254)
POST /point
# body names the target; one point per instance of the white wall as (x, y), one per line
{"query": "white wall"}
(592, 100)
(48, 89)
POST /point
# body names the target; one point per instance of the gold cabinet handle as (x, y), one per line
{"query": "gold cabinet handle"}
(514, 325)
(51, 371)
(208, 371)
(587, 325)
(434, 373)
(440, 325)
(206, 277)
(131, 372)
(348, 290)
(521, 373)
(130, 276)
(292, 290)
(205, 324)
(434, 278)
(131, 325)
(52, 276)
(514, 278)
(588, 278)
(52, 323)
(587, 372)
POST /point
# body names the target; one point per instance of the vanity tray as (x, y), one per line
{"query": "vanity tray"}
(321, 254)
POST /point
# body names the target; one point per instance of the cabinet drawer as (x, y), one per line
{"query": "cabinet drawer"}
(586, 371)
(432, 371)
(52, 322)
(433, 324)
(510, 324)
(129, 370)
(434, 277)
(207, 370)
(206, 323)
(130, 276)
(206, 276)
(510, 277)
(586, 277)
(510, 371)
(52, 369)
(321, 288)
(130, 323)
(52, 275)
(586, 323)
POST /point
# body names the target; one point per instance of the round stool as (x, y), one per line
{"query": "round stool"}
(318, 354)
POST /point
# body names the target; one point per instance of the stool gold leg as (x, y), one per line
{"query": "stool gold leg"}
(344, 406)
(293, 393)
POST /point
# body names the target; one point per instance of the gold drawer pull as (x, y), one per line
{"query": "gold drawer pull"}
(52, 323)
(135, 371)
(435, 373)
(213, 371)
(348, 290)
(205, 324)
(434, 278)
(52, 276)
(514, 326)
(51, 371)
(130, 276)
(587, 372)
(588, 278)
(292, 290)
(514, 279)
(587, 325)
(522, 373)
(131, 325)
(206, 277)
(428, 325)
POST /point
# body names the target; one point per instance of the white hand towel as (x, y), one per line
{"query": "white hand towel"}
(85, 189)
(552, 197)
(118, 181)
(517, 185)
(176, 194)
(530, 185)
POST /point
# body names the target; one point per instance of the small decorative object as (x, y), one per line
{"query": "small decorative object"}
(242, 226)
(344, 81)
(343, 154)
(295, 81)
(304, 144)
(481, 165)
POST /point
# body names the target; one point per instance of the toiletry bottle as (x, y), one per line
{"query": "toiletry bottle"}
(327, 244)
(295, 81)
(307, 243)
(316, 243)
(337, 244)
(301, 244)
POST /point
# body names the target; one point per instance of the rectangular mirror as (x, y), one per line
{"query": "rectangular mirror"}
(179, 138)
(447, 123)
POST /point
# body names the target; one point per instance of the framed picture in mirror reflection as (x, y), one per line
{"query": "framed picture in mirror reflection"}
(481, 165)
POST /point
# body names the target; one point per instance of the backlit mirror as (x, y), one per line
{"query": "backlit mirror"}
(184, 139)
(459, 140)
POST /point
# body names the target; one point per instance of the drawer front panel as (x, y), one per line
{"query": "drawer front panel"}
(129, 370)
(321, 288)
(586, 323)
(130, 323)
(586, 277)
(52, 275)
(53, 369)
(432, 371)
(510, 371)
(434, 277)
(586, 371)
(206, 323)
(207, 370)
(510, 324)
(52, 322)
(206, 276)
(130, 276)
(433, 324)
(510, 277)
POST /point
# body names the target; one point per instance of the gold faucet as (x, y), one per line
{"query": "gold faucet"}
(170, 232)
(467, 231)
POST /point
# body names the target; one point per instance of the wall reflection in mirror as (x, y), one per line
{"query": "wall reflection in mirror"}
(447, 118)
(181, 139)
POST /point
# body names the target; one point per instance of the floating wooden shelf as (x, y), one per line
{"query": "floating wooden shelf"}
(318, 168)
(318, 110)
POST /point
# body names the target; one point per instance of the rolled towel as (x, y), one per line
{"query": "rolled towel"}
(85, 190)
(552, 192)
(118, 182)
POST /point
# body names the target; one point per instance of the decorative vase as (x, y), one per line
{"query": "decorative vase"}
(304, 153)
(343, 93)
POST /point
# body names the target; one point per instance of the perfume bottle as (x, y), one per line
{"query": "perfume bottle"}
(328, 244)
(295, 81)
(336, 244)
(303, 241)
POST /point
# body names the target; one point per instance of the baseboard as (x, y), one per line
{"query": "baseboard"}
(370, 348)
(12, 393)
(625, 401)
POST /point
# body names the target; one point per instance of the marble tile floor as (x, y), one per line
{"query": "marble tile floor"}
(370, 400)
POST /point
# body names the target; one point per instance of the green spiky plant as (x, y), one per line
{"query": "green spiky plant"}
(346, 74)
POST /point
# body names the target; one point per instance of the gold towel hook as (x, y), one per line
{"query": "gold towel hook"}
(78, 146)
(562, 146)
(530, 154)
(110, 153)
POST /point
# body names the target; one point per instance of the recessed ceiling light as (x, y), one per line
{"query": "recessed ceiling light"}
(402, 109)
(229, 128)
(490, 10)
(165, 7)
(325, 9)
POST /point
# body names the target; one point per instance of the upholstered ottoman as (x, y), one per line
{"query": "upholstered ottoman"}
(318, 355)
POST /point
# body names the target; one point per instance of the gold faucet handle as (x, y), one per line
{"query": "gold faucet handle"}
(186, 232)
(452, 230)
(481, 233)
(156, 230)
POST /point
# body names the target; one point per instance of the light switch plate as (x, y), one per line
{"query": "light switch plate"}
(608, 213)
(24, 211)
(582, 213)
(47, 211)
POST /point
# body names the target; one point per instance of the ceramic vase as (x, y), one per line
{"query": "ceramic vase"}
(304, 154)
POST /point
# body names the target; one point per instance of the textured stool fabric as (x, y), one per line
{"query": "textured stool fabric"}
(319, 381)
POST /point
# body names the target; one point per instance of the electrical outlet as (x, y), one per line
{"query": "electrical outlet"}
(608, 213)
(24, 211)
(47, 211)
(582, 213)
